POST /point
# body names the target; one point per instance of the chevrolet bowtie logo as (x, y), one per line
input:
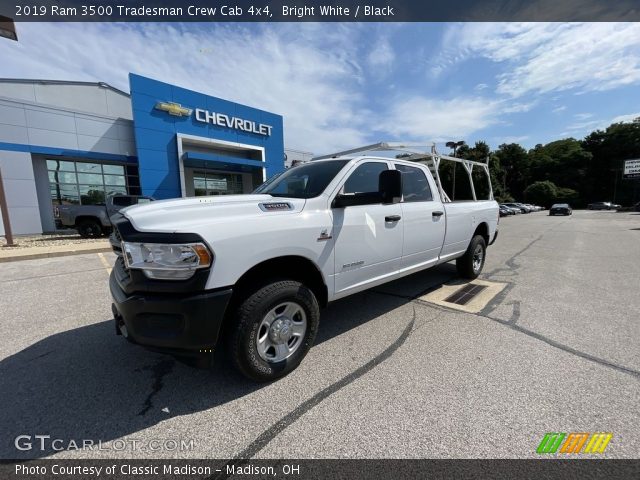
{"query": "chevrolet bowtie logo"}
(174, 109)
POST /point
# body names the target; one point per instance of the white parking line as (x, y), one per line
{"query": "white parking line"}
(105, 262)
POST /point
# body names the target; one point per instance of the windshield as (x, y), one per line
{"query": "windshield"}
(303, 181)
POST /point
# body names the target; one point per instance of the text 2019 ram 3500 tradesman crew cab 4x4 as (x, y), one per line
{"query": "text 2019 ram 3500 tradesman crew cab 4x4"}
(261, 265)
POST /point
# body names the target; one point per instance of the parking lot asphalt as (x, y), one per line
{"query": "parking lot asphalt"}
(390, 375)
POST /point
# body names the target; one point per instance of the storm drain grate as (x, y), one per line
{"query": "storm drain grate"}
(465, 294)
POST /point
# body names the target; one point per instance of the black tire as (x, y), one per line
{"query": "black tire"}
(248, 320)
(89, 228)
(465, 264)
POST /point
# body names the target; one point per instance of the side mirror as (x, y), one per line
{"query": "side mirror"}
(354, 199)
(389, 191)
(390, 186)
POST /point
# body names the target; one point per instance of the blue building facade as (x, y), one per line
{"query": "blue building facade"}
(190, 144)
(75, 143)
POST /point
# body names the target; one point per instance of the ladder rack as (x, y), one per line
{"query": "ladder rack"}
(430, 158)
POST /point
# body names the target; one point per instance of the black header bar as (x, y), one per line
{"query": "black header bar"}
(319, 11)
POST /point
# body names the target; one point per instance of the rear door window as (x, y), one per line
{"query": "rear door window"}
(415, 185)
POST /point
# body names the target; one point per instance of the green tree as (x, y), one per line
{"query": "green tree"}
(564, 162)
(568, 170)
(541, 193)
(609, 148)
(513, 174)
(568, 195)
(500, 193)
(480, 152)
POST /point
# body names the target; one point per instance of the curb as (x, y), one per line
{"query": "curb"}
(66, 253)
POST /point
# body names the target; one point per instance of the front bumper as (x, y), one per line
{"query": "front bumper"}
(176, 323)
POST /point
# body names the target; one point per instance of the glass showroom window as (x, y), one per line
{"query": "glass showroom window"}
(89, 183)
(208, 183)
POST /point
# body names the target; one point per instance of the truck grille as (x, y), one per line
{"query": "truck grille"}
(116, 242)
(121, 272)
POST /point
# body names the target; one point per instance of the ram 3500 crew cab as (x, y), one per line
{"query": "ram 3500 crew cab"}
(259, 267)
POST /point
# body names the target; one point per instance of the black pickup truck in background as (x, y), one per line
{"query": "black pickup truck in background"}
(93, 220)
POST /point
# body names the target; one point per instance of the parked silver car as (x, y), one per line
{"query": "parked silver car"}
(603, 206)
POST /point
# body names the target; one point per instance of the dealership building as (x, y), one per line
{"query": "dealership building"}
(77, 142)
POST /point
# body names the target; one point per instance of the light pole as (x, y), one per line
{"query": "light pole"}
(454, 146)
(8, 234)
(615, 181)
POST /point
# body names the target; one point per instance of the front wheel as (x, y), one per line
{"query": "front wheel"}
(275, 328)
(471, 263)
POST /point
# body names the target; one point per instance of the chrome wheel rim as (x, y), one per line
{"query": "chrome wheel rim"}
(478, 256)
(281, 332)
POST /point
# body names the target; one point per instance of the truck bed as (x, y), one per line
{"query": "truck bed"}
(463, 218)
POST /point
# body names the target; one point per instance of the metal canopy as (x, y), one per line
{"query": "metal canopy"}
(418, 153)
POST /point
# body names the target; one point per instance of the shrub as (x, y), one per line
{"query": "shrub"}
(542, 193)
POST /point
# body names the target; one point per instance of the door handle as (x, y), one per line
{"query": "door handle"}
(392, 218)
(437, 213)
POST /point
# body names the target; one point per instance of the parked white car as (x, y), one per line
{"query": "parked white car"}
(259, 267)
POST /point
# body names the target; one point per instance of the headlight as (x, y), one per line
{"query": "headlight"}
(165, 261)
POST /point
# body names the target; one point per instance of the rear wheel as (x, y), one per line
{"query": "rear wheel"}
(275, 328)
(89, 228)
(471, 263)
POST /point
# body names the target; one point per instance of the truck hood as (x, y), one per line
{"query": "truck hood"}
(185, 214)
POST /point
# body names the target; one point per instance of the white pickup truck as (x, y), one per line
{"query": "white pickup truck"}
(254, 270)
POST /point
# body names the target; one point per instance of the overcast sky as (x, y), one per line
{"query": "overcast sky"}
(344, 85)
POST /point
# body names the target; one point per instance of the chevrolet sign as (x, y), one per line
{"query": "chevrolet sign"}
(219, 119)
(174, 109)
(222, 120)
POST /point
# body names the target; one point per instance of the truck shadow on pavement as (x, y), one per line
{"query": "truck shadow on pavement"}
(89, 384)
